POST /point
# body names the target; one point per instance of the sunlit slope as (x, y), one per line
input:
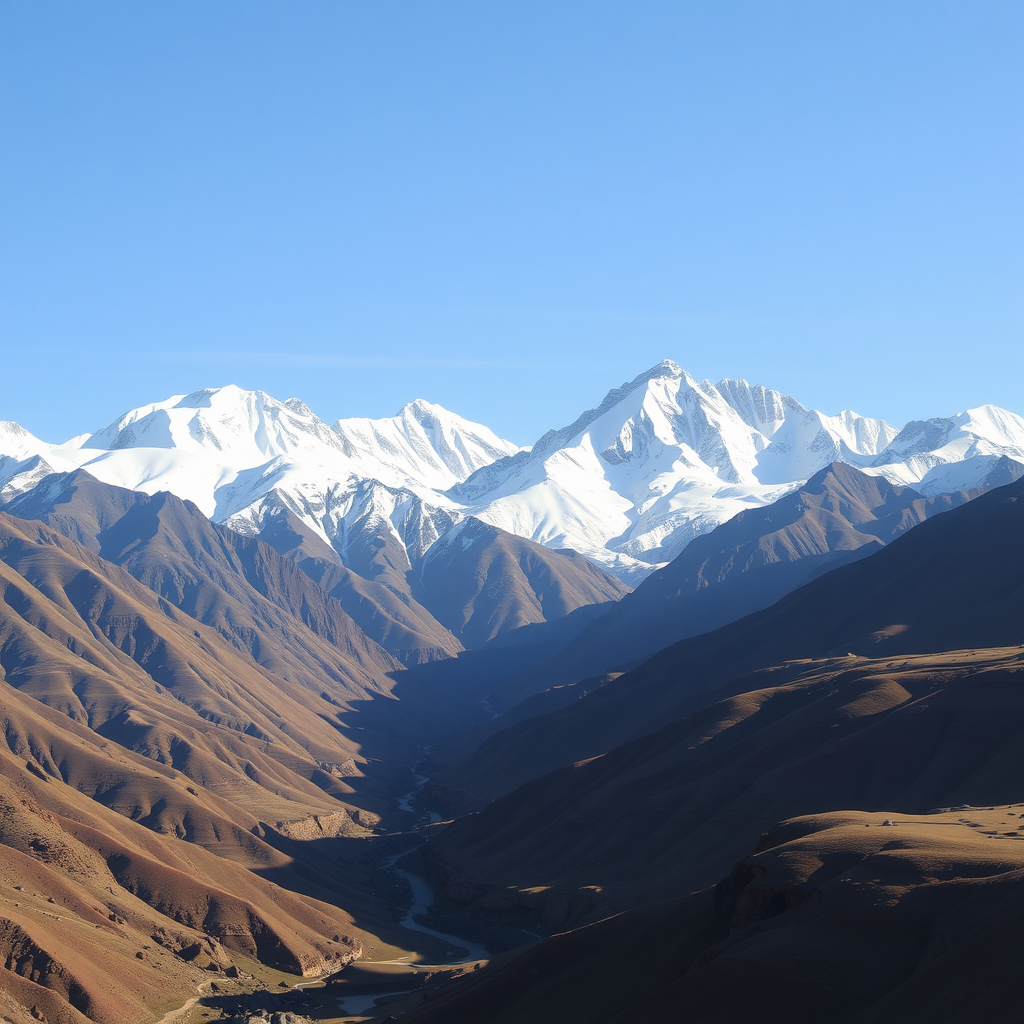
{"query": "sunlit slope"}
(87, 640)
(467, 586)
(244, 588)
(103, 916)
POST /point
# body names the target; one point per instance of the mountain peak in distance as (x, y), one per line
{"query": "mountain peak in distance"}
(662, 459)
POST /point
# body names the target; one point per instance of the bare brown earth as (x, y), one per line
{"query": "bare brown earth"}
(483, 584)
(385, 610)
(486, 583)
(241, 586)
(181, 774)
(847, 916)
(175, 800)
(87, 640)
(106, 919)
(478, 582)
(747, 564)
(152, 771)
(895, 686)
(176, 767)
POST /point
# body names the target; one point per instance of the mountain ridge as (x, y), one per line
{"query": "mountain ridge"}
(896, 600)
(660, 460)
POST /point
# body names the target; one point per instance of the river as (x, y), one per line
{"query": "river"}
(422, 901)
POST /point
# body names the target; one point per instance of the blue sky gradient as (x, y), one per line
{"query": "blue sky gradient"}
(509, 207)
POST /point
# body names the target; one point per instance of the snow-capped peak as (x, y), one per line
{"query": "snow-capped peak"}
(24, 460)
(227, 449)
(950, 452)
(423, 445)
(18, 444)
(664, 458)
(243, 426)
(629, 482)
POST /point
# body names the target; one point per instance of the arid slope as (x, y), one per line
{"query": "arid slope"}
(662, 815)
(88, 641)
(846, 917)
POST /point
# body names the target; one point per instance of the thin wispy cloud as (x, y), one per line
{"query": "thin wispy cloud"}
(321, 359)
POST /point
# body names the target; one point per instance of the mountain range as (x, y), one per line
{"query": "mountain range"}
(661, 460)
(852, 752)
(694, 743)
(716, 697)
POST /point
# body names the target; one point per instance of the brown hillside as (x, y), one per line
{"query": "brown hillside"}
(483, 582)
(258, 600)
(837, 918)
(86, 891)
(87, 640)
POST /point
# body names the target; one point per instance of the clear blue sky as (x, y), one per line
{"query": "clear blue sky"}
(509, 206)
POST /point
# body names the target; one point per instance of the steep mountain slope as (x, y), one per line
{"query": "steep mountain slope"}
(664, 815)
(191, 781)
(660, 461)
(477, 580)
(951, 452)
(110, 920)
(86, 639)
(226, 437)
(23, 460)
(236, 583)
(955, 582)
(242, 456)
(151, 780)
(482, 582)
(748, 563)
(842, 917)
(423, 445)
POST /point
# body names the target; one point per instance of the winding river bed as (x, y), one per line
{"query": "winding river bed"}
(423, 900)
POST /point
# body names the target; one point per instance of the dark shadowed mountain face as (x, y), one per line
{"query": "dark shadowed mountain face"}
(661, 815)
(956, 582)
(848, 917)
(750, 562)
(482, 582)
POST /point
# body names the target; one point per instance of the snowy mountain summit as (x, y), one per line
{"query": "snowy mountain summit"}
(628, 483)
(664, 458)
(225, 440)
